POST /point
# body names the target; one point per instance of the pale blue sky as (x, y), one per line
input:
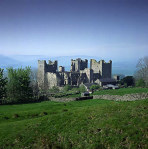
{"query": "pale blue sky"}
(111, 29)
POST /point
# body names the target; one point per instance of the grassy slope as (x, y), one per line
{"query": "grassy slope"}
(84, 124)
(122, 91)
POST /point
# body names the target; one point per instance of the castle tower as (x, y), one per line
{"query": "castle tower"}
(41, 74)
(61, 69)
(101, 67)
(78, 64)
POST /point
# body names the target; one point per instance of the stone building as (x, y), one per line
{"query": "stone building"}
(49, 75)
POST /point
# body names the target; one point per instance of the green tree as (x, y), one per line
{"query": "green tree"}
(18, 87)
(3, 82)
(142, 70)
(140, 83)
(128, 81)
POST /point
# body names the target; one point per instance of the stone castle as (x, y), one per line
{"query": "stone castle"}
(49, 75)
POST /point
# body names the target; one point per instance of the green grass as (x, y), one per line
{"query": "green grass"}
(121, 91)
(91, 124)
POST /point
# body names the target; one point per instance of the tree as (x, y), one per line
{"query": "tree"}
(3, 82)
(142, 70)
(34, 83)
(140, 83)
(18, 87)
(128, 81)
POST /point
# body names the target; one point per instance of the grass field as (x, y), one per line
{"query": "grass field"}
(92, 124)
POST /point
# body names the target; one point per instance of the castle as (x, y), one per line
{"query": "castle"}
(98, 73)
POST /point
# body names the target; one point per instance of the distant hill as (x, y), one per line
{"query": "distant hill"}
(119, 67)
(8, 62)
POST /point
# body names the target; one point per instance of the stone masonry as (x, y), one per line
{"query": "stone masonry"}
(49, 75)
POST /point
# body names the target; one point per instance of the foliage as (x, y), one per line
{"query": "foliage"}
(3, 82)
(54, 89)
(18, 87)
(95, 87)
(83, 124)
(142, 70)
(140, 83)
(128, 81)
(34, 83)
(82, 88)
(67, 88)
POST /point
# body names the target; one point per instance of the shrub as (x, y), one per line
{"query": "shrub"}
(54, 89)
(67, 88)
(140, 83)
(95, 87)
(82, 88)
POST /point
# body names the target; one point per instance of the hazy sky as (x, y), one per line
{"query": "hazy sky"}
(113, 29)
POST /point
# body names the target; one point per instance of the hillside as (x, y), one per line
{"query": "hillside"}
(84, 124)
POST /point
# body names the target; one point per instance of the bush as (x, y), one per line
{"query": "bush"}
(82, 88)
(54, 89)
(140, 83)
(95, 87)
(67, 88)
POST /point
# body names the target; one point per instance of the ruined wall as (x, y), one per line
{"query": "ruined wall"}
(52, 66)
(89, 74)
(52, 79)
(83, 64)
(106, 69)
(78, 64)
(41, 74)
(61, 69)
(43, 68)
(67, 79)
(74, 78)
(101, 67)
(48, 76)
(95, 66)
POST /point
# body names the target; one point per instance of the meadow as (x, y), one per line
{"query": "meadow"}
(92, 124)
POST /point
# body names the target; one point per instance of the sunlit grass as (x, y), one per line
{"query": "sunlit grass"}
(79, 124)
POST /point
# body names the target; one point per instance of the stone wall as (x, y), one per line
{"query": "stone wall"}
(127, 97)
(78, 64)
(106, 71)
(41, 73)
(52, 79)
(102, 68)
(62, 99)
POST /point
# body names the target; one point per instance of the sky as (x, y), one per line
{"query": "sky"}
(111, 29)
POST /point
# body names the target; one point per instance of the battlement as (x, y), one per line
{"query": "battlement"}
(48, 75)
(78, 64)
(52, 63)
(61, 69)
(101, 67)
